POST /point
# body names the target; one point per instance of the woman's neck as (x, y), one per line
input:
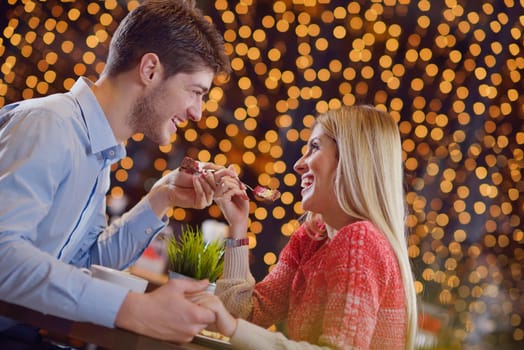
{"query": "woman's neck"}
(332, 229)
(331, 232)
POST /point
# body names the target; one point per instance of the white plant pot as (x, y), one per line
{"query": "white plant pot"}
(176, 275)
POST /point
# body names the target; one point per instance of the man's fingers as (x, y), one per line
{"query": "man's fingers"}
(203, 193)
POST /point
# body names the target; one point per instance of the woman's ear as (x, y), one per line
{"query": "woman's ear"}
(150, 68)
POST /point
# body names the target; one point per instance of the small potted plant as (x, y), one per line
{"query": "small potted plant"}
(190, 256)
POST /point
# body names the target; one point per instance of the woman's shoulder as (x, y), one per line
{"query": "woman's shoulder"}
(364, 235)
(360, 233)
(362, 228)
(364, 247)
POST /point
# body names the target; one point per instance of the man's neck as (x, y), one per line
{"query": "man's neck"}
(116, 96)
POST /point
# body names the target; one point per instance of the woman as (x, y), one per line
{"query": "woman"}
(344, 279)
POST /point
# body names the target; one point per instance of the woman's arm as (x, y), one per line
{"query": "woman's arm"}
(245, 335)
(266, 302)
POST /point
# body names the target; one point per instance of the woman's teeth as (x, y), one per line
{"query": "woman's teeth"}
(306, 183)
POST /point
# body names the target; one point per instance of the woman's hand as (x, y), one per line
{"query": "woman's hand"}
(231, 198)
(225, 323)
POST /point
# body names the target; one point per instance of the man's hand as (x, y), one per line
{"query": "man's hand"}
(180, 189)
(166, 313)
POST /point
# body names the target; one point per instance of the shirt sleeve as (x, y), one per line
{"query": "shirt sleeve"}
(123, 242)
(251, 337)
(30, 173)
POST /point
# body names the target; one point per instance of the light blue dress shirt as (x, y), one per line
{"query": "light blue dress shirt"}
(55, 158)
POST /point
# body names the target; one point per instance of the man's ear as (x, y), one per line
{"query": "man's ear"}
(150, 68)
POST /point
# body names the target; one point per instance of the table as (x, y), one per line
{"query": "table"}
(102, 337)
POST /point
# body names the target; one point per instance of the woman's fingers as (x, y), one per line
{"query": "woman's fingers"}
(228, 188)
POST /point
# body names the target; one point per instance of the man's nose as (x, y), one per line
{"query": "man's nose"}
(195, 112)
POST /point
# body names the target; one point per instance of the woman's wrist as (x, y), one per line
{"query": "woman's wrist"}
(236, 242)
(237, 231)
(231, 327)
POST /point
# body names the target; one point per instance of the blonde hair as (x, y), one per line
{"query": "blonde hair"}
(369, 183)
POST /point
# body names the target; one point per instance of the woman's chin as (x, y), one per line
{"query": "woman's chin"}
(306, 204)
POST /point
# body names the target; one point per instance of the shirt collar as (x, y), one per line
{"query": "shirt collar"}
(98, 129)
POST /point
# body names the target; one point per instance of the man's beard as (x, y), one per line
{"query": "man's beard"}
(144, 117)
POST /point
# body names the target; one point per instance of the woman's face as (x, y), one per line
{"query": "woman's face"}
(317, 168)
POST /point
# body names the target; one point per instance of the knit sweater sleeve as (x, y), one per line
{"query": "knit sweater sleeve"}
(265, 303)
(251, 337)
(235, 286)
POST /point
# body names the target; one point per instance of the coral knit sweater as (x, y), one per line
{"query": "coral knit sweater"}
(339, 293)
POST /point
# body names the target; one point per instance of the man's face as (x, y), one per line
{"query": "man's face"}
(169, 103)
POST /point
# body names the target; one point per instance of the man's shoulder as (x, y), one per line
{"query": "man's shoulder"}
(59, 105)
(56, 110)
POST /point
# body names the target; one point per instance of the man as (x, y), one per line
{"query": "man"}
(55, 158)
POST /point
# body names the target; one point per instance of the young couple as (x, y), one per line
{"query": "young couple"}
(343, 281)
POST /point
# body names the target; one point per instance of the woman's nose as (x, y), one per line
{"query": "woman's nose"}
(300, 166)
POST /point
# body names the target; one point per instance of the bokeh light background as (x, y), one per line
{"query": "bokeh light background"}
(449, 71)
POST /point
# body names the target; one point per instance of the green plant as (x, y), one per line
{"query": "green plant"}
(191, 256)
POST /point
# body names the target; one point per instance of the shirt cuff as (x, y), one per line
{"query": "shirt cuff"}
(144, 221)
(101, 302)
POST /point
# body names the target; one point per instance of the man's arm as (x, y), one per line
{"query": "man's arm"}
(34, 162)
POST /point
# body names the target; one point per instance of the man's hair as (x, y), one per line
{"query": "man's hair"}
(184, 40)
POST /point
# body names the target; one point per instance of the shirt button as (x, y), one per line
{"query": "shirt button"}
(149, 230)
(111, 153)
